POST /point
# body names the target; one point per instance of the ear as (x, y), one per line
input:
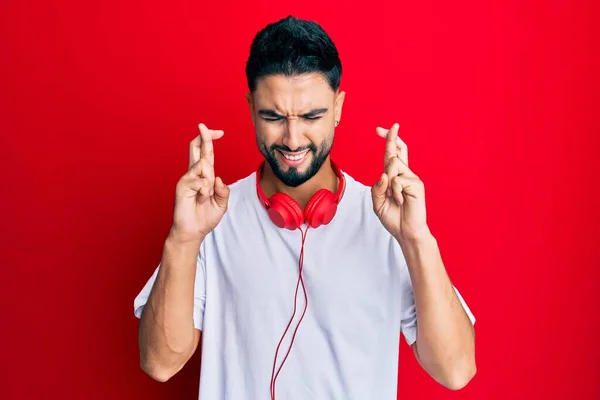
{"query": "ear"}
(250, 100)
(338, 105)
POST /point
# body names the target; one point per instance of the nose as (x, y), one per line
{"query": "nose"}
(293, 134)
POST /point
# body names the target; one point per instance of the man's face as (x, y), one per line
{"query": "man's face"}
(294, 118)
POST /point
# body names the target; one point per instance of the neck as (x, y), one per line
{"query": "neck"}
(325, 178)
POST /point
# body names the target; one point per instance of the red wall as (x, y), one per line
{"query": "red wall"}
(498, 102)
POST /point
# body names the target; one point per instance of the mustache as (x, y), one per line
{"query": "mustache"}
(310, 147)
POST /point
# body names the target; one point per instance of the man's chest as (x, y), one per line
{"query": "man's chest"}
(260, 278)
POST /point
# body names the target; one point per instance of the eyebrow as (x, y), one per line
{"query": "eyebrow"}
(311, 113)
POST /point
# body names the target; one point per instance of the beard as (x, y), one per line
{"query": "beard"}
(292, 177)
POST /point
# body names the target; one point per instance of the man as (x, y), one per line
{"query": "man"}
(298, 278)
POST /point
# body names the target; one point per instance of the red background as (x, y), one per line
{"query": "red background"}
(498, 102)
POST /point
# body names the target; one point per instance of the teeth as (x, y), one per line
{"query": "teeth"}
(294, 158)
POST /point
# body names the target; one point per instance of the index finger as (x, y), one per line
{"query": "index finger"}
(206, 145)
(391, 147)
(194, 150)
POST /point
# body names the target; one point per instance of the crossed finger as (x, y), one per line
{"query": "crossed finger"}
(394, 146)
(202, 146)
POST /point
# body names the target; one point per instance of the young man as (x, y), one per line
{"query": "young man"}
(298, 278)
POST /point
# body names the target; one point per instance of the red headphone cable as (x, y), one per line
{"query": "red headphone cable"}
(300, 280)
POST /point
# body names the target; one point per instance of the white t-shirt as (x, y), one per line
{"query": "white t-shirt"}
(359, 301)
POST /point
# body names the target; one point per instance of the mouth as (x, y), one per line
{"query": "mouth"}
(292, 159)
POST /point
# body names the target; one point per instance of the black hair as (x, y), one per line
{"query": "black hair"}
(293, 47)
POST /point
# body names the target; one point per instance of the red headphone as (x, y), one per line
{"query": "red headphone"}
(285, 212)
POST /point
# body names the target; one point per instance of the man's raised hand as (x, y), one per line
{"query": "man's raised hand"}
(201, 197)
(399, 195)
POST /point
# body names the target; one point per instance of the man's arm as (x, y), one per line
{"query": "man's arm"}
(445, 339)
(167, 336)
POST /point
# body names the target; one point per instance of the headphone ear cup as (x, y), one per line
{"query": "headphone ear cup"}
(321, 208)
(285, 212)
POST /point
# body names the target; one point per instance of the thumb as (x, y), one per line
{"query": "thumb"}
(221, 193)
(378, 191)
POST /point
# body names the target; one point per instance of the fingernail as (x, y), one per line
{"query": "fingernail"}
(380, 180)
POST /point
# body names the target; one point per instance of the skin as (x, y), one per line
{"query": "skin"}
(296, 114)
(445, 345)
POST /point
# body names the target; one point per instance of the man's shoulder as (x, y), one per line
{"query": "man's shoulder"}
(357, 190)
(240, 191)
(241, 188)
(358, 209)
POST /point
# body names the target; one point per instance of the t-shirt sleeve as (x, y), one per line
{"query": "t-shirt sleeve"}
(199, 291)
(408, 321)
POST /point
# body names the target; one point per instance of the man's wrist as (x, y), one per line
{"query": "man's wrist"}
(422, 240)
(183, 241)
(418, 249)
